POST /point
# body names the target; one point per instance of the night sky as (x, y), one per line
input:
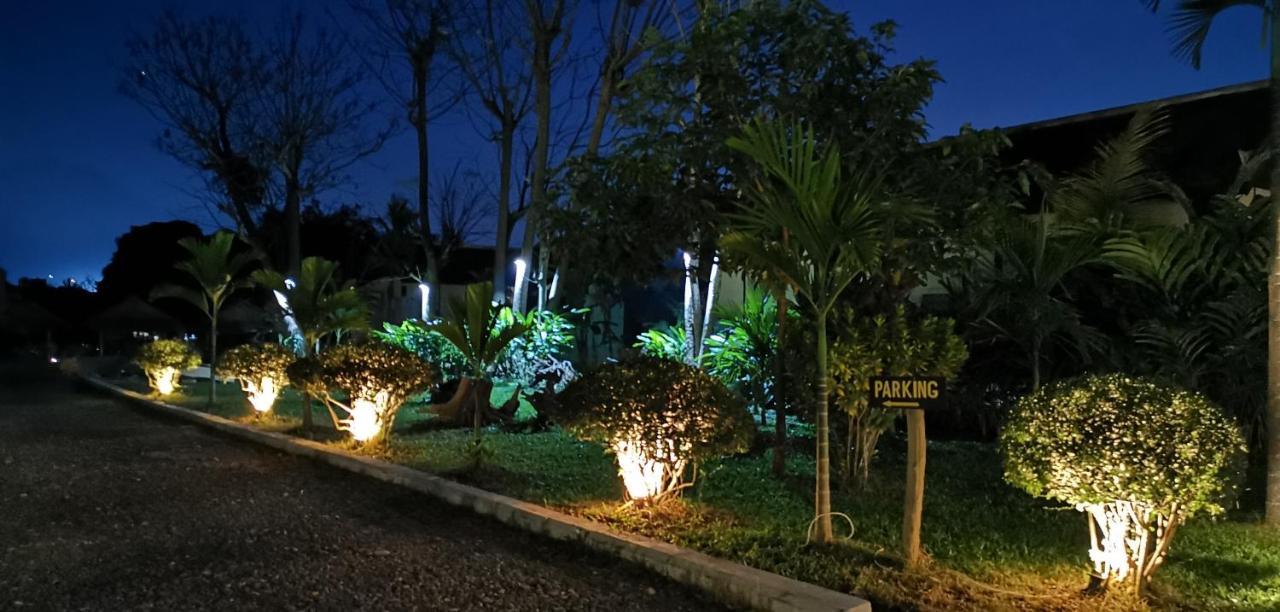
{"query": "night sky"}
(79, 165)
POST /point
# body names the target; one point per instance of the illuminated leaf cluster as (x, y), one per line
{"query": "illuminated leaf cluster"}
(375, 379)
(365, 370)
(163, 361)
(1100, 439)
(175, 354)
(257, 361)
(671, 411)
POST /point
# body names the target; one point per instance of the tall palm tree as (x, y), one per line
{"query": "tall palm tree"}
(318, 304)
(218, 273)
(1190, 25)
(833, 236)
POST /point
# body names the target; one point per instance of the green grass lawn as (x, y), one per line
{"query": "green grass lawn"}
(993, 547)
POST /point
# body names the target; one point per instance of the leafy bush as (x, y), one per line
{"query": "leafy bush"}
(539, 351)
(261, 370)
(657, 417)
(376, 379)
(1136, 456)
(164, 361)
(429, 345)
(864, 347)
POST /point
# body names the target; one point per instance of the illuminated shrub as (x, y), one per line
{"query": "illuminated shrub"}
(1136, 457)
(261, 370)
(374, 379)
(657, 417)
(164, 361)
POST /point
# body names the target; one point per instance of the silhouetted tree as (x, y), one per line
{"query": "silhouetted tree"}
(490, 51)
(200, 79)
(316, 120)
(404, 39)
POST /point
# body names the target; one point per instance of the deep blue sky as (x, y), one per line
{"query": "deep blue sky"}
(78, 164)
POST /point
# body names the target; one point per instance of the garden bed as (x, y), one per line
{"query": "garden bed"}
(992, 547)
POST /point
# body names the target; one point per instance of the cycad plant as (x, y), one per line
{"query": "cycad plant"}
(316, 304)
(1190, 25)
(472, 326)
(834, 235)
(219, 273)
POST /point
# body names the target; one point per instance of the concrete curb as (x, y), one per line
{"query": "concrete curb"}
(732, 583)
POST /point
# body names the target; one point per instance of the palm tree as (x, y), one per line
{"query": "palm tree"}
(1018, 290)
(316, 304)
(472, 327)
(1190, 25)
(833, 236)
(217, 271)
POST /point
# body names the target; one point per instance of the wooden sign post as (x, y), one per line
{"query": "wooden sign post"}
(915, 394)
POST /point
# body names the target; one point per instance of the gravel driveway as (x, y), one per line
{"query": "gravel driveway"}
(102, 508)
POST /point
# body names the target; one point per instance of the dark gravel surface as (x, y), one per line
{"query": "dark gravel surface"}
(104, 508)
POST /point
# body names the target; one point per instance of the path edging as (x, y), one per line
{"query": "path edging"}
(732, 583)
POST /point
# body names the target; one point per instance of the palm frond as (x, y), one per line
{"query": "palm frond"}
(832, 222)
(1189, 25)
(1110, 190)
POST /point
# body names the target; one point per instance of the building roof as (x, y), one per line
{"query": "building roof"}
(1208, 130)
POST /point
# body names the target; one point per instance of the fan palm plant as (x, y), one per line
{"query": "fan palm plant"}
(218, 272)
(316, 304)
(833, 236)
(1190, 25)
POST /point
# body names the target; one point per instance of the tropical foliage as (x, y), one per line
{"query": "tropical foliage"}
(413, 336)
(541, 352)
(833, 236)
(315, 306)
(218, 271)
(473, 326)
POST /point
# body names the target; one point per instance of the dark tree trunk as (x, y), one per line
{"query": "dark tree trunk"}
(502, 235)
(1273, 291)
(293, 222)
(418, 117)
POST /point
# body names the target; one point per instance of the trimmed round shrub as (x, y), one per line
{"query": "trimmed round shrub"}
(261, 370)
(656, 417)
(164, 361)
(1136, 456)
(376, 380)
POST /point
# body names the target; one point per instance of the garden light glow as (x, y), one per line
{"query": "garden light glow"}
(643, 477)
(518, 292)
(365, 420)
(164, 380)
(425, 290)
(262, 393)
